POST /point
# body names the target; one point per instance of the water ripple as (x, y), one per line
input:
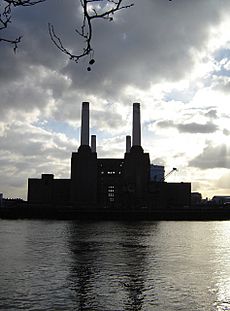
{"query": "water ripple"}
(115, 266)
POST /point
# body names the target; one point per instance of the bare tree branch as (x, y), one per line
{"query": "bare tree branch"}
(14, 42)
(6, 14)
(90, 13)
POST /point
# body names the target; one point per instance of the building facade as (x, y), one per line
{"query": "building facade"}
(124, 183)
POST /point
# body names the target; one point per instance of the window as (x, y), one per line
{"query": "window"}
(111, 193)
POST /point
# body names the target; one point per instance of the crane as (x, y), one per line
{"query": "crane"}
(167, 175)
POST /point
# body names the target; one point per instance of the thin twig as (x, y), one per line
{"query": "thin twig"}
(86, 29)
(6, 15)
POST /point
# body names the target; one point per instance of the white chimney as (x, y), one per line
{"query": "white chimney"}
(85, 124)
(136, 125)
(93, 143)
(128, 143)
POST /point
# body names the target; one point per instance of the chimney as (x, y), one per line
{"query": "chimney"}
(128, 143)
(136, 125)
(93, 143)
(85, 124)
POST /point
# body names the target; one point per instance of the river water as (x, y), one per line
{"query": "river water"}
(102, 266)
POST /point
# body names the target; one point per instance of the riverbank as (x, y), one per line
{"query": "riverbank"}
(69, 213)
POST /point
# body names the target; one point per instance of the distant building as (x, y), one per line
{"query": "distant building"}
(128, 182)
(1, 199)
(49, 190)
(220, 199)
(196, 198)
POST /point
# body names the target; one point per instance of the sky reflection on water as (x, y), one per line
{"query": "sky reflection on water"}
(58, 265)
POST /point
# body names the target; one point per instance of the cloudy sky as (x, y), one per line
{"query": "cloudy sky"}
(171, 56)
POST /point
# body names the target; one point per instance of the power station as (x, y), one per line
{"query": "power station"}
(106, 183)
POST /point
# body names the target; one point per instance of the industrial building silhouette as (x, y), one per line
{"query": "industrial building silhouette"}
(99, 183)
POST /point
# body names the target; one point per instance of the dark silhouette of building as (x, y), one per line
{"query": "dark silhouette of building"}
(109, 183)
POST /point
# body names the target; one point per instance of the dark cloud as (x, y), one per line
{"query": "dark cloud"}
(197, 128)
(127, 53)
(212, 114)
(192, 127)
(107, 119)
(154, 49)
(166, 124)
(212, 157)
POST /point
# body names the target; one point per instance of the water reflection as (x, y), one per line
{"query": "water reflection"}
(134, 259)
(109, 265)
(114, 266)
(221, 262)
(142, 266)
(82, 276)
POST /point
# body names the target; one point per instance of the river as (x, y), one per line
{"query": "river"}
(102, 266)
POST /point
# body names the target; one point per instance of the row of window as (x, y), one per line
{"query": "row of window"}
(110, 172)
